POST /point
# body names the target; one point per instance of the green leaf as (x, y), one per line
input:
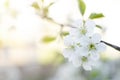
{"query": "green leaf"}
(45, 11)
(64, 33)
(96, 15)
(7, 3)
(95, 73)
(48, 39)
(35, 5)
(42, 0)
(50, 4)
(82, 6)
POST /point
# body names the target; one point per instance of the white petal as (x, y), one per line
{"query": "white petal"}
(93, 62)
(73, 31)
(77, 40)
(72, 57)
(77, 62)
(96, 38)
(82, 51)
(87, 66)
(78, 23)
(90, 25)
(67, 52)
(68, 41)
(94, 56)
(101, 47)
(84, 40)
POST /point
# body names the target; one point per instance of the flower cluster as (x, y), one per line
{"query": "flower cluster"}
(83, 46)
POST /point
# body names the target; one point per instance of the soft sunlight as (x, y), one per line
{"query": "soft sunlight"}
(38, 39)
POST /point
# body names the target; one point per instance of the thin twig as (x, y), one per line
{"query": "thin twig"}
(111, 45)
(62, 25)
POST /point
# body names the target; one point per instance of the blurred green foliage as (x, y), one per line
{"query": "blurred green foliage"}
(42, 10)
(48, 39)
(35, 5)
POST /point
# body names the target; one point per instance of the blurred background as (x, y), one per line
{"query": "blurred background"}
(31, 39)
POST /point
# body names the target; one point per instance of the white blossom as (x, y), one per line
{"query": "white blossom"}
(83, 28)
(88, 62)
(91, 45)
(82, 45)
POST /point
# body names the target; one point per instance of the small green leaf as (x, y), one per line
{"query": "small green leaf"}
(64, 33)
(7, 3)
(48, 39)
(45, 11)
(82, 6)
(50, 4)
(96, 15)
(35, 5)
(42, 0)
(98, 26)
(95, 73)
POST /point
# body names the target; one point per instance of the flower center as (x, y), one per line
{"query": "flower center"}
(72, 47)
(92, 46)
(78, 44)
(84, 59)
(83, 31)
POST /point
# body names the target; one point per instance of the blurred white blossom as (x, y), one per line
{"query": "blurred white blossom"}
(67, 72)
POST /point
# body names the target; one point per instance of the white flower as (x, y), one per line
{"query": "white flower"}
(69, 52)
(70, 45)
(91, 45)
(88, 62)
(69, 40)
(72, 56)
(82, 45)
(83, 28)
(76, 60)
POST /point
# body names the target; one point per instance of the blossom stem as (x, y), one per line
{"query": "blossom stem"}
(111, 45)
(67, 25)
(61, 25)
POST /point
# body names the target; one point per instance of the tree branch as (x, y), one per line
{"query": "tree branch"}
(111, 45)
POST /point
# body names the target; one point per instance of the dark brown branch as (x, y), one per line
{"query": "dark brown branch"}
(111, 45)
